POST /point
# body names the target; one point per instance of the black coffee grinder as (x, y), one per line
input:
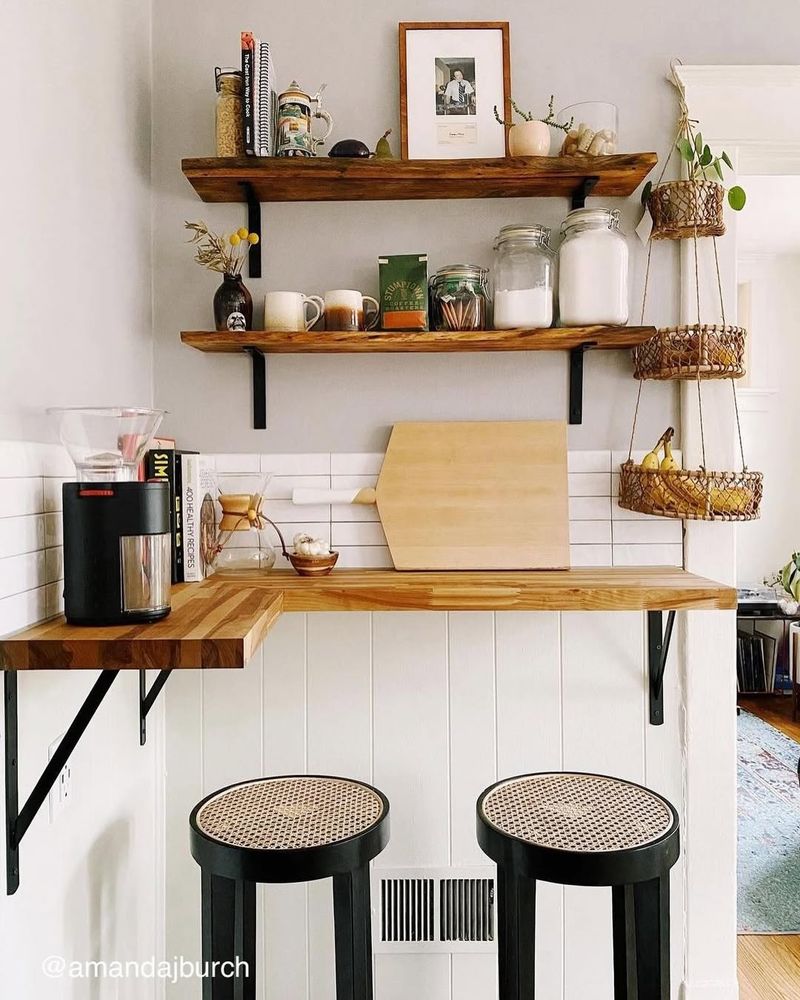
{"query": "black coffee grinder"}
(117, 541)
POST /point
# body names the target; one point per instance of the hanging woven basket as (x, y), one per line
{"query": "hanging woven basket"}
(691, 494)
(684, 209)
(698, 350)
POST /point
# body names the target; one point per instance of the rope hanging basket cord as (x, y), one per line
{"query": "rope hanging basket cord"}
(699, 351)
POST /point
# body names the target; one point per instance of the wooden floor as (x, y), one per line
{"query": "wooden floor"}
(769, 965)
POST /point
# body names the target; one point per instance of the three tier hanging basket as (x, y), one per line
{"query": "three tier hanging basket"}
(682, 209)
(696, 350)
(689, 209)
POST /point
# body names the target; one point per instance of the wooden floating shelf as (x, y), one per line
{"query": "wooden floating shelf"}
(273, 179)
(427, 342)
(221, 622)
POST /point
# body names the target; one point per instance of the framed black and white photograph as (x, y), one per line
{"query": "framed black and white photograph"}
(452, 74)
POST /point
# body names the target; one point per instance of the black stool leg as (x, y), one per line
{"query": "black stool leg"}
(229, 937)
(651, 905)
(352, 919)
(516, 936)
(625, 982)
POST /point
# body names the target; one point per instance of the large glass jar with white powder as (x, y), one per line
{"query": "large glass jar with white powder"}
(523, 278)
(593, 269)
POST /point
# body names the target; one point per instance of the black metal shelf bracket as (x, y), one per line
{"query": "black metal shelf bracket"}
(259, 387)
(658, 643)
(18, 820)
(576, 381)
(148, 698)
(582, 191)
(254, 225)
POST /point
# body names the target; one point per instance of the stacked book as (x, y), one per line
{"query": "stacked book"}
(260, 96)
(756, 661)
(191, 480)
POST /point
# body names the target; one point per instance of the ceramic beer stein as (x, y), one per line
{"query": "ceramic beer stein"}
(296, 111)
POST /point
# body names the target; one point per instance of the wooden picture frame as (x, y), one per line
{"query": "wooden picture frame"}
(422, 129)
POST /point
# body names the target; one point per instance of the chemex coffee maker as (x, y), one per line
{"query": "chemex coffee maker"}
(117, 541)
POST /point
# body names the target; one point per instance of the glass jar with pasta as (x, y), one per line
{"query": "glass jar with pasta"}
(229, 112)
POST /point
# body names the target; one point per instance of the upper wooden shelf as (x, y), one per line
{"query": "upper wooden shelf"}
(429, 341)
(221, 622)
(324, 179)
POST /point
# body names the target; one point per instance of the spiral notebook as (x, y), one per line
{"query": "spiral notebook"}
(266, 101)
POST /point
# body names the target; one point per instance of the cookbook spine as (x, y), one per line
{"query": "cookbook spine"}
(163, 465)
(248, 50)
(190, 488)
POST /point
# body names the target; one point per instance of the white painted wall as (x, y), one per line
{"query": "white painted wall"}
(75, 263)
(769, 421)
(75, 285)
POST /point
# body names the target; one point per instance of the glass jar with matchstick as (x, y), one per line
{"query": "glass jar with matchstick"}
(233, 304)
(459, 298)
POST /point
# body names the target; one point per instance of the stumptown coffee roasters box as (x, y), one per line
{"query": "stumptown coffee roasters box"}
(404, 291)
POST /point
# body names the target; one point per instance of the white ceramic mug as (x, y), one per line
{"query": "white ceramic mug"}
(287, 311)
(345, 309)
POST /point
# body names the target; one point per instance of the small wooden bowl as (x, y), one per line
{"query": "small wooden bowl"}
(313, 565)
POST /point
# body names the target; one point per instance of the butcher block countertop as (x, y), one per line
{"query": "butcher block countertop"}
(221, 623)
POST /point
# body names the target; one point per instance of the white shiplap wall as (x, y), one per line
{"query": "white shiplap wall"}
(431, 707)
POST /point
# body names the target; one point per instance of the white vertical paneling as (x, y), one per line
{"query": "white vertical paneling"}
(529, 739)
(231, 752)
(284, 727)
(411, 765)
(339, 743)
(603, 712)
(183, 756)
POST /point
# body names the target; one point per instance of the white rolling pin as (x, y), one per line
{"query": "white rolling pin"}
(305, 497)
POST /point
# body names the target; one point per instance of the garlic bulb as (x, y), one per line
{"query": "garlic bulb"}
(307, 545)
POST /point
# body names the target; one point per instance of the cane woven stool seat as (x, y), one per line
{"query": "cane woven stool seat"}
(292, 828)
(590, 830)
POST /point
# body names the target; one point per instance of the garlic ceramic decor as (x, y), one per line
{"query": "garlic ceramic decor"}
(529, 139)
(312, 556)
(307, 545)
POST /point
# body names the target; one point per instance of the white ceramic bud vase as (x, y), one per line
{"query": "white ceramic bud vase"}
(529, 139)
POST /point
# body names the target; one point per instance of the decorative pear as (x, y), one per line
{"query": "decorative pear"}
(383, 151)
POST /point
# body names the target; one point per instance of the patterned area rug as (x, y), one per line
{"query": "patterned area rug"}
(769, 829)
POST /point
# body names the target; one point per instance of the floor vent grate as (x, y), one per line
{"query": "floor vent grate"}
(447, 910)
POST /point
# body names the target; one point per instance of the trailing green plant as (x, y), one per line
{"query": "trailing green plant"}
(528, 116)
(703, 165)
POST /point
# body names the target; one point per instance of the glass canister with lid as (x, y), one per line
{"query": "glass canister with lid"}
(593, 269)
(459, 298)
(229, 112)
(523, 278)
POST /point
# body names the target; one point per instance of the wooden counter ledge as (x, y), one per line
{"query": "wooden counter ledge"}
(220, 623)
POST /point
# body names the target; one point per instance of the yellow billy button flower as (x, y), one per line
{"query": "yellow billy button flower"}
(252, 239)
(234, 240)
(242, 233)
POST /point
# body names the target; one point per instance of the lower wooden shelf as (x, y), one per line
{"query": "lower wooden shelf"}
(220, 623)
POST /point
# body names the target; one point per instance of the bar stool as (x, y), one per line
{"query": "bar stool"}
(582, 829)
(294, 828)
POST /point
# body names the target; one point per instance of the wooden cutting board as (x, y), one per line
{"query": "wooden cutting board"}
(489, 495)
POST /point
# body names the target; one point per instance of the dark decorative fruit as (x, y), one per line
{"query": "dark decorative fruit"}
(350, 147)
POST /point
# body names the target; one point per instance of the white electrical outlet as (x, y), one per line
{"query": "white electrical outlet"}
(61, 793)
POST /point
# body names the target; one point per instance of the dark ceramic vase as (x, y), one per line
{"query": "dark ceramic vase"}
(233, 305)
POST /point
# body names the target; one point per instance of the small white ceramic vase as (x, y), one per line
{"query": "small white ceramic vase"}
(529, 139)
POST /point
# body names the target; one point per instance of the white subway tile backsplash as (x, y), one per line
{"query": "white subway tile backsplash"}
(285, 510)
(648, 555)
(354, 512)
(356, 464)
(53, 530)
(590, 555)
(23, 609)
(20, 573)
(589, 461)
(54, 599)
(364, 557)
(236, 463)
(589, 484)
(54, 564)
(313, 464)
(53, 497)
(357, 533)
(21, 534)
(653, 530)
(353, 482)
(589, 508)
(19, 497)
(590, 532)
